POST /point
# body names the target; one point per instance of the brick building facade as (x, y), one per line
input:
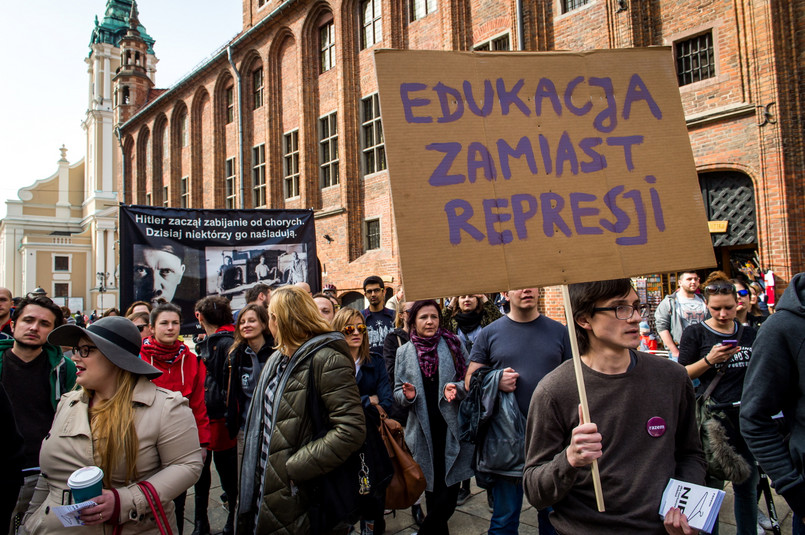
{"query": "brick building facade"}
(286, 115)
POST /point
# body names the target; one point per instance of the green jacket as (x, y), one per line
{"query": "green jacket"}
(293, 455)
(62, 370)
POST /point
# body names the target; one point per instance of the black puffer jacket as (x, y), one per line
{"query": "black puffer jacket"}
(214, 351)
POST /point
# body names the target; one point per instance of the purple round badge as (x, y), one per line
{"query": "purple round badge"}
(656, 426)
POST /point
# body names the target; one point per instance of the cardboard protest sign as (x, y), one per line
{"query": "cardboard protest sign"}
(182, 255)
(511, 170)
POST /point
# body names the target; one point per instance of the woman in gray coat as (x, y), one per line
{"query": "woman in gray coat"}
(429, 381)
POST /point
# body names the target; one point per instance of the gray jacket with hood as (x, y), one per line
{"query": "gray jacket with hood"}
(775, 381)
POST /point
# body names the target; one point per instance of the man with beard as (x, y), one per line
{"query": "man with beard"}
(35, 374)
(5, 313)
(379, 319)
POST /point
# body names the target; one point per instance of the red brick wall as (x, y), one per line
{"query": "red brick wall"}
(757, 65)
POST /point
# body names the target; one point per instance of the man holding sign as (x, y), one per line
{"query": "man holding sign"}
(644, 431)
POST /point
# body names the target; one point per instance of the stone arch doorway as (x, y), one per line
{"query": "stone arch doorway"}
(729, 200)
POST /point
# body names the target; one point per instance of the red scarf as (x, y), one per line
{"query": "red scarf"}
(153, 350)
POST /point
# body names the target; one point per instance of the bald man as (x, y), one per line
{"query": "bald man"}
(5, 313)
(305, 286)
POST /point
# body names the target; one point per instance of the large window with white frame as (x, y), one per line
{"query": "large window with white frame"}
(61, 263)
(417, 9)
(328, 150)
(184, 195)
(290, 164)
(374, 149)
(259, 176)
(501, 42)
(61, 289)
(371, 23)
(230, 183)
(327, 46)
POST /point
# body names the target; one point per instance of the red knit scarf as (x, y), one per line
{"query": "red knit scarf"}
(164, 353)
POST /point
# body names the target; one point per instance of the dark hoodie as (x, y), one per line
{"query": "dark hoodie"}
(775, 381)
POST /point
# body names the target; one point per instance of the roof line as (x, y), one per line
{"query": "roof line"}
(219, 52)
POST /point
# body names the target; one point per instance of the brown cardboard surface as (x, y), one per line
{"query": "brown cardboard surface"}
(606, 154)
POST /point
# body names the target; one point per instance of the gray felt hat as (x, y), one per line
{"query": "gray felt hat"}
(115, 336)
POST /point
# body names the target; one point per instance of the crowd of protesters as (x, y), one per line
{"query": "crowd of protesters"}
(292, 386)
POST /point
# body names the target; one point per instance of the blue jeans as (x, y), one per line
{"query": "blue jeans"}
(797, 527)
(745, 503)
(545, 526)
(507, 496)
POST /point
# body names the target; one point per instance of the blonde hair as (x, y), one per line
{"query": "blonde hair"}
(112, 424)
(344, 316)
(297, 317)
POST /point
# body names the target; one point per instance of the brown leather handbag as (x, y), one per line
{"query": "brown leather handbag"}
(408, 482)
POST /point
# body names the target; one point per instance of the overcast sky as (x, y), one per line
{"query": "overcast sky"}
(44, 82)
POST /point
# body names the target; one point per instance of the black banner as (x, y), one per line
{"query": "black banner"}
(181, 255)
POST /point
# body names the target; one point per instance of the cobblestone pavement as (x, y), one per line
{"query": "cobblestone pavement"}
(471, 518)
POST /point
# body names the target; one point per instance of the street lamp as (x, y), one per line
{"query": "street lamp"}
(102, 277)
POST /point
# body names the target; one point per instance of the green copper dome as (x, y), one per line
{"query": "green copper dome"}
(115, 25)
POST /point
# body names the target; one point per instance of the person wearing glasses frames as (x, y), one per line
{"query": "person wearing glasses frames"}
(643, 428)
(678, 310)
(747, 312)
(141, 321)
(375, 390)
(121, 422)
(720, 349)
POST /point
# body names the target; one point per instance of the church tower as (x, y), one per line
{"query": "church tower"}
(103, 62)
(132, 82)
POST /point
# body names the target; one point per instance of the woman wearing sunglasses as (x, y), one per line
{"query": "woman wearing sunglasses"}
(747, 303)
(121, 422)
(719, 349)
(429, 380)
(374, 388)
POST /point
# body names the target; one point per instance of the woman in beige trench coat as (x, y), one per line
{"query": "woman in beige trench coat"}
(121, 422)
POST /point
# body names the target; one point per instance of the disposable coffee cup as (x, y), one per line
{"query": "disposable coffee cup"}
(86, 483)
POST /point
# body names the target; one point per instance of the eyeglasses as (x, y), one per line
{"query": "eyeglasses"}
(625, 312)
(83, 350)
(373, 291)
(141, 327)
(743, 293)
(724, 288)
(407, 311)
(350, 329)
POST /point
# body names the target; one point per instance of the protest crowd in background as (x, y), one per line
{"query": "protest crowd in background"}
(289, 395)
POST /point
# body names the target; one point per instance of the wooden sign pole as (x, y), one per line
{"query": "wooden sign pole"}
(585, 409)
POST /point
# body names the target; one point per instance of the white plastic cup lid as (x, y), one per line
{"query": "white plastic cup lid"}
(85, 477)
